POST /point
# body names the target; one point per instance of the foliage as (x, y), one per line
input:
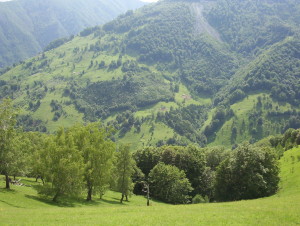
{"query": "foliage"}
(146, 159)
(103, 98)
(199, 199)
(56, 43)
(290, 139)
(9, 151)
(63, 166)
(178, 54)
(266, 73)
(97, 150)
(221, 115)
(190, 160)
(248, 173)
(124, 171)
(169, 184)
(249, 26)
(186, 121)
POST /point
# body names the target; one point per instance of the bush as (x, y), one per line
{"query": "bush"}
(199, 199)
(250, 172)
(169, 184)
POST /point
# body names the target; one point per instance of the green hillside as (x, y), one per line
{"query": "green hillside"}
(28, 26)
(173, 72)
(21, 205)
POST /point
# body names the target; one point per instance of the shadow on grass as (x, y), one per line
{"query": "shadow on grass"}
(65, 201)
(10, 204)
(113, 202)
(60, 203)
(10, 191)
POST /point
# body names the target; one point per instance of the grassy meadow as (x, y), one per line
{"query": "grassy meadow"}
(22, 206)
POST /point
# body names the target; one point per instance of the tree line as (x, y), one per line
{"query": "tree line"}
(84, 159)
(81, 158)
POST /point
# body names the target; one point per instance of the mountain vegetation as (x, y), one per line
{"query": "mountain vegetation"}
(185, 102)
(188, 70)
(84, 157)
(27, 27)
(272, 210)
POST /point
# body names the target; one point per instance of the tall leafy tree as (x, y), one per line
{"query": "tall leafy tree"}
(124, 171)
(36, 146)
(8, 149)
(63, 166)
(97, 149)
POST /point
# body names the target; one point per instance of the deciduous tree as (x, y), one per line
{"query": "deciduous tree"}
(124, 171)
(8, 149)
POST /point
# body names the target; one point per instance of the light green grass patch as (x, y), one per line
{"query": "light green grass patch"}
(146, 137)
(154, 109)
(184, 97)
(23, 206)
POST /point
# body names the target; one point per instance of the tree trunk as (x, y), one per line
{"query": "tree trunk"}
(36, 179)
(122, 198)
(89, 196)
(126, 197)
(148, 195)
(55, 197)
(7, 182)
(14, 177)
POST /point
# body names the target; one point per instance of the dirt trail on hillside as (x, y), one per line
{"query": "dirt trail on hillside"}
(202, 26)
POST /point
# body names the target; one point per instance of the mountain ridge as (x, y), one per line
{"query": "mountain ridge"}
(27, 26)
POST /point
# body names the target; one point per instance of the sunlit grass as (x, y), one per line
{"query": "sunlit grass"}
(23, 206)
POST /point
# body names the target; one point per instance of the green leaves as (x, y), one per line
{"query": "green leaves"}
(169, 184)
(250, 172)
(96, 148)
(63, 165)
(124, 170)
(79, 157)
(9, 152)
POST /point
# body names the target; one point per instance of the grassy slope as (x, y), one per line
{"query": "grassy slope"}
(65, 65)
(242, 110)
(161, 131)
(22, 206)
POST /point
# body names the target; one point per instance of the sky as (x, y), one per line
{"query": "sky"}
(141, 0)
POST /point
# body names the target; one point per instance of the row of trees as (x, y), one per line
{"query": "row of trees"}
(73, 160)
(176, 174)
(84, 158)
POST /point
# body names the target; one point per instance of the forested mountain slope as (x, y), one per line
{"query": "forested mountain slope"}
(27, 26)
(174, 72)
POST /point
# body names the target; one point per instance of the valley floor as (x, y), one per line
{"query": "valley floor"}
(22, 206)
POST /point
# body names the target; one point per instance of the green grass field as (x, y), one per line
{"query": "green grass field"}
(22, 206)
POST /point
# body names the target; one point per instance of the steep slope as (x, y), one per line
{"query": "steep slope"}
(169, 73)
(249, 26)
(27, 26)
